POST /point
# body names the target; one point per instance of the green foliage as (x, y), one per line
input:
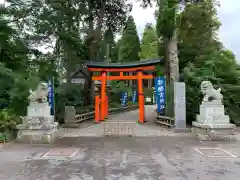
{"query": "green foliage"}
(20, 92)
(166, 17)
(15, 76)
(129, 46)
(149, 44)
(198, 27)
(68, 95)
(8, 123)
(46, 67)
(166, 25)
(202, 57)
(4, 137)
(109, 47)
(117, 88)
(213, 68)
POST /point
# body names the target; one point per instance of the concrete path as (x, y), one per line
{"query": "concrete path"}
(133, 116)
(147, 129)
(136, 158)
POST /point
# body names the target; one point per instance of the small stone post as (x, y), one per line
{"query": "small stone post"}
(69, 117)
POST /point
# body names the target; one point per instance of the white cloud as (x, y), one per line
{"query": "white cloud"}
(142, 16)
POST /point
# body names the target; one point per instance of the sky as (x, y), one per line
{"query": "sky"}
(228, 14)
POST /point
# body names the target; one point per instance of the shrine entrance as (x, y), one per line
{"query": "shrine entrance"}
(103, 69)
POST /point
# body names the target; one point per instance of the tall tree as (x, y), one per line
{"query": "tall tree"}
(167, 33)
(101, 16)
(166, 28)
(149, 43)
(109, 46)
(203, 57)
(77, 27)
(16, 77)
(194, 28)
(129, 46)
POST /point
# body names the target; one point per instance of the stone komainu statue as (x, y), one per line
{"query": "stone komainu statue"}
(210, 94)
(40, 95)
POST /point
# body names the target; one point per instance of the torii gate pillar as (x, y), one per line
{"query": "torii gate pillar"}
(140, 96)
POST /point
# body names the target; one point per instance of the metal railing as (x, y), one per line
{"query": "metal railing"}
(165, 121)
(85, 116)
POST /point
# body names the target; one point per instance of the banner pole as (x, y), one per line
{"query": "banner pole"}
(53, 87)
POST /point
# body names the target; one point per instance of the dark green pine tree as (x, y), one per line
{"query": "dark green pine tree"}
(109, 47)
(129, 46)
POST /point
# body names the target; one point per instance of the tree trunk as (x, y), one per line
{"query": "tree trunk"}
(173, 64)
(166, 60)
(97, 33)
(130, 81)
(94, 38)
(173, 58)
(150, 83)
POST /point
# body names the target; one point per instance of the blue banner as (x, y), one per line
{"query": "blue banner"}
(134, 96)
(51, 96)
(160, 89)
(124, 98)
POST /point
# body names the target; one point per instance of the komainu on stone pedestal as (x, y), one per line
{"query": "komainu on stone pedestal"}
(212, 123)
(38, 126)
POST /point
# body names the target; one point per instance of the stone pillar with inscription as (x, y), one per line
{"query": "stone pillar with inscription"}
(212, 123)
(38, 126)
(180, 106)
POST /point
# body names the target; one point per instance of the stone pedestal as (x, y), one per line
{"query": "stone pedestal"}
(38, 109)
(213, 124)
(38, 126)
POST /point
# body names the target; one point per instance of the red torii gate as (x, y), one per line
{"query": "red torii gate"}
(104, 68)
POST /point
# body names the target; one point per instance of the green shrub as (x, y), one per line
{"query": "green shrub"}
(148, 92)
(68, 95)
(117, 88)
(4, 137)
(8, 123)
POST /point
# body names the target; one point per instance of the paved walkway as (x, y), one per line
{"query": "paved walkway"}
(147, 129)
